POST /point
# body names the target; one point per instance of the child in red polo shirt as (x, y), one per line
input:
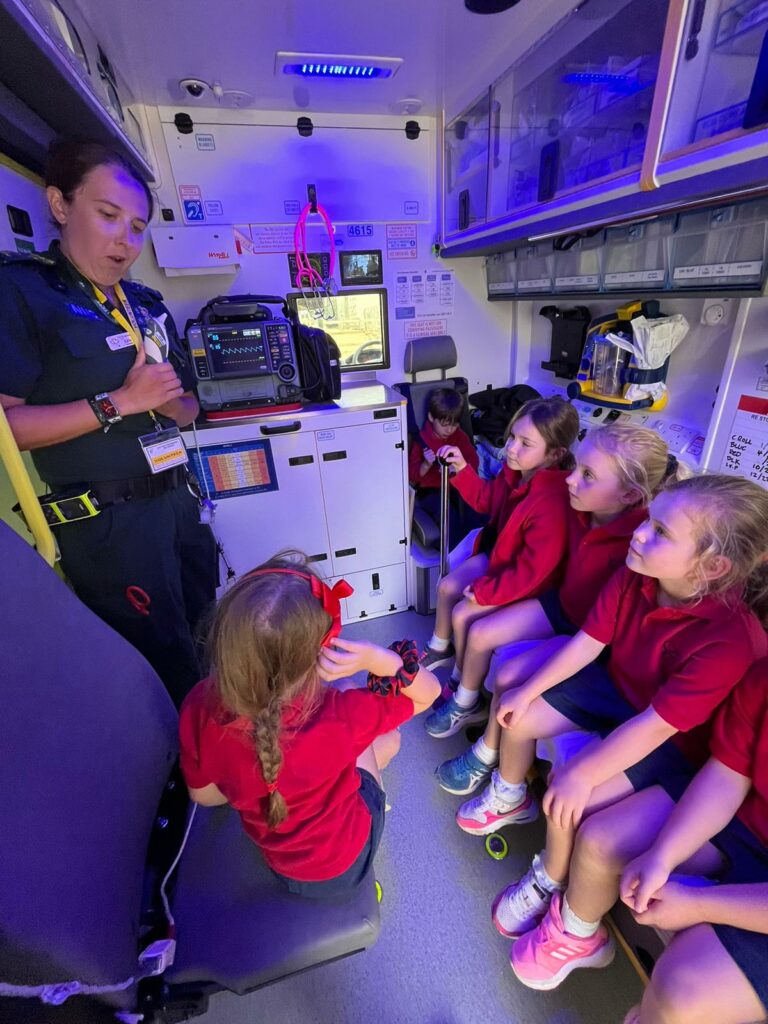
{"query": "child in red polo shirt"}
(682, 634)
(716, 968)
(522, 547)
(618, 470)
(299, 761)
(442, 427)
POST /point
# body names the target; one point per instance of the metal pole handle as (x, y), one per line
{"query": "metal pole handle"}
(445, 523)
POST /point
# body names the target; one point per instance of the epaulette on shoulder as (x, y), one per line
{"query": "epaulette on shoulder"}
(143, 291)
(39, 258)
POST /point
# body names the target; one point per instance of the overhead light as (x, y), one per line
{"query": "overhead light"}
(340, 66)
(489, 6)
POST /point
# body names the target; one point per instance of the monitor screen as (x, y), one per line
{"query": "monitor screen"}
(358, 326)
(237, 352)
(361, 268)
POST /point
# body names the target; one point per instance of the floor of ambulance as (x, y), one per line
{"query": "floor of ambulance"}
(438, 960)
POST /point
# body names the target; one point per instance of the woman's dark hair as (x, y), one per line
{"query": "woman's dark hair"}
(70, 160)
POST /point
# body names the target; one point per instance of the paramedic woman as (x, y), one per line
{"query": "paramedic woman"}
(94, 384)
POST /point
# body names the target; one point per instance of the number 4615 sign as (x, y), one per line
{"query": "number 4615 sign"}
(359, 230)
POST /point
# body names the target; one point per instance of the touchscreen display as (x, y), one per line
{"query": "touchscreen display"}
(237, 352)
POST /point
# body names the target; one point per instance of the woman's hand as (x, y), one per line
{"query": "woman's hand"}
(674, 907)
(567, 797)
(452, 455)
(512, 707)
(346, 657)
(147, 386)
(641, 879)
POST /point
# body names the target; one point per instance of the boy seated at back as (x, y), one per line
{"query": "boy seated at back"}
(442, 427)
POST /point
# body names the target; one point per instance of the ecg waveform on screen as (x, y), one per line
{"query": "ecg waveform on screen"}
(236, 470)
(238, 350)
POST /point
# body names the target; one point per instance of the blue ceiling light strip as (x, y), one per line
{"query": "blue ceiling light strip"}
(306, 69)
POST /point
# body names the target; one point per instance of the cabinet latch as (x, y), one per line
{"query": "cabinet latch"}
(400, 445)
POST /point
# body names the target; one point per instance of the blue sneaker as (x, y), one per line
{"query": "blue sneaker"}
(463, 774)
(450, 718)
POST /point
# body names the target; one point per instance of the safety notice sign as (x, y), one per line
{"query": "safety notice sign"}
(401, 242)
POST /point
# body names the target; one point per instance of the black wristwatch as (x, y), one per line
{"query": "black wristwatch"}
(105, 410)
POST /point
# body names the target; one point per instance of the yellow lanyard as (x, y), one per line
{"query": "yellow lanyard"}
(126, 320)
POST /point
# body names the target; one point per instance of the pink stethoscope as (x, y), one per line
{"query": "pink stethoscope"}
(316, 290)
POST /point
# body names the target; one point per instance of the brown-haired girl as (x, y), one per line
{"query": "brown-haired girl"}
(298, 760)
(520, 551)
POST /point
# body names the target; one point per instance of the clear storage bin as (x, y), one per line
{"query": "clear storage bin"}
(578, 268)
(636, 256)
(724, 247)
(466, 167)
(501, 273)
(534, 269)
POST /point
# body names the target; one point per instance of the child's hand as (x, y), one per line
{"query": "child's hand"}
(674, 907)
(512, 706)
(429, 456)
(452, 455)
(641, 880)
(567, 797)
(346, 657)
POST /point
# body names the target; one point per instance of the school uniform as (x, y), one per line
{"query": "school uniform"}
(594, 555)
(740, 742)
(334, 818)
(682, 661)
(428, 440)
(59, 344)
(527, 535)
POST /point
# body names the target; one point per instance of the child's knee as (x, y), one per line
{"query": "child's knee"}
(678, 989)
(386, 747)
(481, 636)
(597, 846)
(449, 588)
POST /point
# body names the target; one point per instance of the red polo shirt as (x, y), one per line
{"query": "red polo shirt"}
(327, 823)
(740, 742)
(429, 439)
(594, 555)
(532, 523)
(683, 661)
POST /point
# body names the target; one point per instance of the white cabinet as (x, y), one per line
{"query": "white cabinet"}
(330, 482)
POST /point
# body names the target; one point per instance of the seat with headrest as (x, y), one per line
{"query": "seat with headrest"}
(89, 743)
(423, 355)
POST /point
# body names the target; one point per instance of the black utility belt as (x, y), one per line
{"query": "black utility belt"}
(84, 502)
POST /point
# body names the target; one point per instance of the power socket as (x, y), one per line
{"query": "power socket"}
(716, 312)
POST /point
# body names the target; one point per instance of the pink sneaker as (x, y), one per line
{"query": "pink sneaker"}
(545, 957)
(484, 814)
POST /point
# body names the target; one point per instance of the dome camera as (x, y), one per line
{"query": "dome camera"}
(194, 87)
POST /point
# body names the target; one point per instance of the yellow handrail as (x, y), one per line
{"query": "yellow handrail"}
(11, 458)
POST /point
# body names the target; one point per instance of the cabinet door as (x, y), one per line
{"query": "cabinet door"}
(720, 87)
(361, 469)
(466, 168)
(575, 109)
(254, 527)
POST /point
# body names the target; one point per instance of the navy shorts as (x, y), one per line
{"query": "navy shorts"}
(591, 701)
(550, 605)
(747, 865)
(362, 868)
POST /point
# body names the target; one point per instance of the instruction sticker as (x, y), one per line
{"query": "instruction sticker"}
(401, 242)
(425, 329)
(205, 143)
(272, 238)
(405, 312)
(214, 208)
(411, 209)
(291, 207)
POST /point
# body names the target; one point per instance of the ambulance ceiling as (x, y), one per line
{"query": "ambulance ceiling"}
(447, 52)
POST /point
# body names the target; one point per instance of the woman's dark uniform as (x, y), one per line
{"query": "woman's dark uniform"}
(54, 349)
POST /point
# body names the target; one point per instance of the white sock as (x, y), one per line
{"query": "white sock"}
(575, 925)
(465, 698)
(456, 674)
(439, 643)
(484, 753)
(510, 794)
(543, 878)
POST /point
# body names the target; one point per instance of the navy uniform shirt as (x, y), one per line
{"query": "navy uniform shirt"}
(53, 349)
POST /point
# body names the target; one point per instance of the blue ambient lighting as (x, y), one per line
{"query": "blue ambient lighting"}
(623, 83)
(325, 70)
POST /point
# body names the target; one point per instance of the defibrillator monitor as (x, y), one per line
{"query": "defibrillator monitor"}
(357, 321)
(243, 355)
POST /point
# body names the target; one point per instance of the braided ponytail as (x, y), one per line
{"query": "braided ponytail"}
(266, 733)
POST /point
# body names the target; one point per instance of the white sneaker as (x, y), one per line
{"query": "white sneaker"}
(485, 813)
(521, 906)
